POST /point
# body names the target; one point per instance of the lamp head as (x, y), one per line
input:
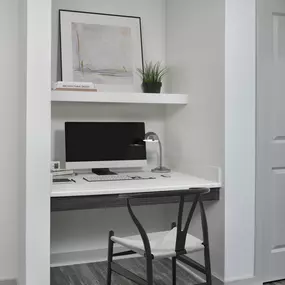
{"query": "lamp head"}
(151, 137)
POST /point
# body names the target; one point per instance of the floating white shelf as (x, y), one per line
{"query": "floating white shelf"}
(108, 97)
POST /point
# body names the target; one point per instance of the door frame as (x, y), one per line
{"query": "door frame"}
(259, 191)
(260, 252)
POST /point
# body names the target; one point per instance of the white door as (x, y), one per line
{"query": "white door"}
(271, 138)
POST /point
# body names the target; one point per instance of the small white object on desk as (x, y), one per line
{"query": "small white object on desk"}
(176, 181)
(54, 165)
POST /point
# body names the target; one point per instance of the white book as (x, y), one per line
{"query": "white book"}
(62, 172)
(73, 85)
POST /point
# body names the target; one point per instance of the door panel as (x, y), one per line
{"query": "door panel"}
(278, 72)
(278, 213)
(277, 155)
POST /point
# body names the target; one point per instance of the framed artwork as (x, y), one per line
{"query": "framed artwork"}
(101, 48)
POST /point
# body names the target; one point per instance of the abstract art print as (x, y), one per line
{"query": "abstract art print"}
(101, 48)
(102, 54)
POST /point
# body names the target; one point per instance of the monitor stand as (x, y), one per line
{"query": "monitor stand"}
(103, 171)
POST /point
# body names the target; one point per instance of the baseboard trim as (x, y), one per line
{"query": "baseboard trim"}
(77, 257)
(85, 256)
(8, 282)
(198, 277)
(248, 281)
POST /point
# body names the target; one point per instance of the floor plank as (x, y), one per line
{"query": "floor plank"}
(95, 273)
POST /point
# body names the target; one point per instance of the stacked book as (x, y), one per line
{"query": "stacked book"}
(62, 172)
(74, 86)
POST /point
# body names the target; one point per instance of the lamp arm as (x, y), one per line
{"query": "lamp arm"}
(160, 153)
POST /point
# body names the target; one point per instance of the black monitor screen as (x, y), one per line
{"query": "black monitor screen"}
(87, 142)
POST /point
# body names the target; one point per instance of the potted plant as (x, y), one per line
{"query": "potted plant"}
(152, 75)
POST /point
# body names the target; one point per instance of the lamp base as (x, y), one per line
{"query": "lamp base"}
(161, 169)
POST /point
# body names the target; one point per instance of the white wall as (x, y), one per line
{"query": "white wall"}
(79, 230)
(9, 109)
(88, 230)
(195, 135)
(240, 139)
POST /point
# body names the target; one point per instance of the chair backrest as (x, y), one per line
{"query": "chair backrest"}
(181, 233)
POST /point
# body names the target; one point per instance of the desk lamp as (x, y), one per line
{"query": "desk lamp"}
(153, 137)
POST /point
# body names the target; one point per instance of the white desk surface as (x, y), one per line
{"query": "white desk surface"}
(177, 181)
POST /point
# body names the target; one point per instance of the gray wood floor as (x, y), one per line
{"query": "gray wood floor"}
(95, 273)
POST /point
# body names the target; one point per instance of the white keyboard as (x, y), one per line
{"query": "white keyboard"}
(98, 178)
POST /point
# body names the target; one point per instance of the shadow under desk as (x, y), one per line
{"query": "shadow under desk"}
(83, 195)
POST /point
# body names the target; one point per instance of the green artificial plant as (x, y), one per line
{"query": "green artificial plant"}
(152, 73)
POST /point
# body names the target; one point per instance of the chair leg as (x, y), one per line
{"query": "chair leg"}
(149, 270)
(173, 270)
(206, 244)
(110, 258)
(208, 265)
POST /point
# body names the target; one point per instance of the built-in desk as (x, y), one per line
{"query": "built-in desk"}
(89, 195)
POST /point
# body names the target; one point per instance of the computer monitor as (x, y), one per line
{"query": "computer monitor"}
(100, 145)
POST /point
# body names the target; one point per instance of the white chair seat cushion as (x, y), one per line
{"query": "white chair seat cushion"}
(162, 243)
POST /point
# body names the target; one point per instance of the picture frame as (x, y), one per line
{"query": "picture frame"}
(105, 49)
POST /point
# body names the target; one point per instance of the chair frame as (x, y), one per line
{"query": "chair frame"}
(180, 239)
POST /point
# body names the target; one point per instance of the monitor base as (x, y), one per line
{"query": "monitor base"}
(103, 171)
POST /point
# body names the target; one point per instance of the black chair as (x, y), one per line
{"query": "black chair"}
(174, 244)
